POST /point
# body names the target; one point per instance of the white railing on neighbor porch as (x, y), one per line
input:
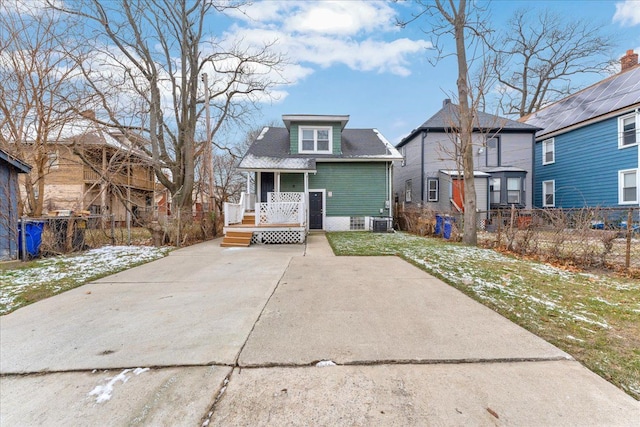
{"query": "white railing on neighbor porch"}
(233, 212)
(281, 208)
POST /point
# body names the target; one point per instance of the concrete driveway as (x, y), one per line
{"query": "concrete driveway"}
(215, 336)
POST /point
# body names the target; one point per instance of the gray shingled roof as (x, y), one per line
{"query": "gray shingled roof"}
(610, 95)
(449, 117)
(271, 150)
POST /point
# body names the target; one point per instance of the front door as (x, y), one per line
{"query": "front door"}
(315, 210)
(458, 193)
(267, 185)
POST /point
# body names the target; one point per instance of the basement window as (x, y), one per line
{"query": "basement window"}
(356, 223)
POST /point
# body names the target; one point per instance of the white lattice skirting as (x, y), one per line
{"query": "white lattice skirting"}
(277, 237)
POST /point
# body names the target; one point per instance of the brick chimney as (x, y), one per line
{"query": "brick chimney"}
(448, 101)
(629, 60)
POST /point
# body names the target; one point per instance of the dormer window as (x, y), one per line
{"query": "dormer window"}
(315, 140)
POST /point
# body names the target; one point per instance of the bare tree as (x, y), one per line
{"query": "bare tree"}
(465, 23)
(37, 82)
(538, 56)
(145, 63)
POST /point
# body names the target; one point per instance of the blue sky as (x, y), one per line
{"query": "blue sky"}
(349, 57)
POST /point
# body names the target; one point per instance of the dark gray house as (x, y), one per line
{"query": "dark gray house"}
(431, 170)
(10, 167)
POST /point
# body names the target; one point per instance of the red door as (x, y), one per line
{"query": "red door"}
(458, 193)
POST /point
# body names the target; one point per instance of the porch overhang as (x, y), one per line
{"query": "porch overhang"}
(456, 173)
(251, 163)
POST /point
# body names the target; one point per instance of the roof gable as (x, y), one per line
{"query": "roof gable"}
(612, 94)
(448, 117)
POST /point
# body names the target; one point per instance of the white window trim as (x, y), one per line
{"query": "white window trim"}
(315, 130)
(621, 119)
(544, 193)
(620, 187)
(408, 191)
(437, 189)
(403, 151)
(552, 142)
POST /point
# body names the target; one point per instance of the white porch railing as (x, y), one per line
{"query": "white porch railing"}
(234, 212)
(281, 208)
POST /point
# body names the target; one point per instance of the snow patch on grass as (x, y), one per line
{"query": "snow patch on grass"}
(66, 272)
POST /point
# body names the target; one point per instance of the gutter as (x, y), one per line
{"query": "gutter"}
(424, 136)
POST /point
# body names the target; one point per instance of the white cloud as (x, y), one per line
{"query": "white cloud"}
(627, 13)
(358, 34)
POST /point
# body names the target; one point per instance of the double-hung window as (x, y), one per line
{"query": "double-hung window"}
(493, 152)
(549, 193)
(628, 131)
(628, 186)
(315, 140)
(432, 189)
(548, 151)
(407, 191)
(494, 189)
(514, 190)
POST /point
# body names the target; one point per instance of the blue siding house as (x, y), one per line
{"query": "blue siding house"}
(10, 167)
(588, 151)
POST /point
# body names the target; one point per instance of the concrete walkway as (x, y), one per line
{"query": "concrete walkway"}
(234, 336)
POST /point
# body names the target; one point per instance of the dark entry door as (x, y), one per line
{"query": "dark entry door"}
(267, 185)
(315, 210)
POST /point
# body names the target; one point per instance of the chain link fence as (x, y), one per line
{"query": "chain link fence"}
(50, 236)
(587, 237)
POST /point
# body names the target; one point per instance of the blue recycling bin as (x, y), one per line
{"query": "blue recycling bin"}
(447, 228)
(32, 237)
(439, 222)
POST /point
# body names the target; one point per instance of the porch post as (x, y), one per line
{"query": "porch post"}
(277, 181)
(306, 200)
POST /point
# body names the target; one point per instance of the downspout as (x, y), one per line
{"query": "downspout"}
(424, 136)
(533, 168)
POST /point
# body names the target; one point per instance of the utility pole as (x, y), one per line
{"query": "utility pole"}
(208, 155)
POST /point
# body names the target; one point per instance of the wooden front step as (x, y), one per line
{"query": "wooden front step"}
(237, 239)
(248, 220)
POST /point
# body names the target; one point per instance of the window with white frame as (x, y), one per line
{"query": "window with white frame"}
(514, 190)
(494, 189)
(493, 152)
(407, 190)
(548, 151)
(627, 131)
(315, 140)
(628, 187)
(549, 193)
(52, 160)
(432, 189)
(403, 151)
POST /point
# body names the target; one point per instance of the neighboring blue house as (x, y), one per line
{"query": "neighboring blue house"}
(10, 167)
(588, 153)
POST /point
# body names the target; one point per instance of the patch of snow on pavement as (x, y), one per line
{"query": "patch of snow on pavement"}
(103, 392)
(325, 363)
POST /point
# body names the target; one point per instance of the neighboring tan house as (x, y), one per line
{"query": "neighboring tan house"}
(315, 174)
(588, 151)
(96, 170)
(10, 167)
(430, 172)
